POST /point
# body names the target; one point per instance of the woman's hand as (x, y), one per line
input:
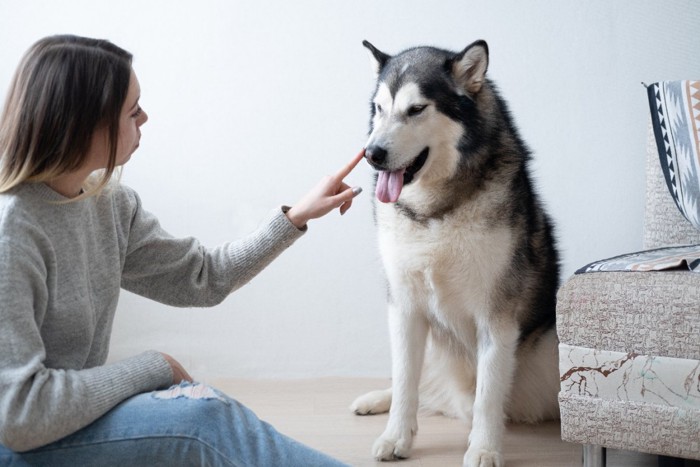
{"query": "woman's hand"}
(179, 372)
(330, 193)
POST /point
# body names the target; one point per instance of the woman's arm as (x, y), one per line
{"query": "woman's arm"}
(38, 404)
(182, 272)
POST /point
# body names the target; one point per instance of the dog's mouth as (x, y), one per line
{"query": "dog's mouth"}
(390, 182)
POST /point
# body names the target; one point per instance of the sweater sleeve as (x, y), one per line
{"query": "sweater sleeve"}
(182, 272)
(39, 405)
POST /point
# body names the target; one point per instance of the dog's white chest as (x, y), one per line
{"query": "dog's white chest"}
(449, 264)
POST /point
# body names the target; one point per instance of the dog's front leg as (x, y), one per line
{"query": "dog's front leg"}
(408, 333)
(496, 359)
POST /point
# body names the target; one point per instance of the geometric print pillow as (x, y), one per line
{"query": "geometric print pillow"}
(675, 117)
(680, 258)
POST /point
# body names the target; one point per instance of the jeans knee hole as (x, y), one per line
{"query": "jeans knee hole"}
(190, 391)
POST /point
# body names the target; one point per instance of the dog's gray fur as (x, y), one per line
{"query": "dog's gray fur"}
(468, 251)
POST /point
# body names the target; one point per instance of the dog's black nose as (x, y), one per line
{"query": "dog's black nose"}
(376, 155)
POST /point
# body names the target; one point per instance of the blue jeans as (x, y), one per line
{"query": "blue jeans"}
(186, 425)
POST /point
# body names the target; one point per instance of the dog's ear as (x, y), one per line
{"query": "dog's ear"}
(468, 67)
(377, 57)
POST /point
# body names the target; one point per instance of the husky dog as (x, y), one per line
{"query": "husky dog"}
(468, 252)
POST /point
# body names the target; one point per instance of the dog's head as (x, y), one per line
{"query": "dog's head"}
(417, 113)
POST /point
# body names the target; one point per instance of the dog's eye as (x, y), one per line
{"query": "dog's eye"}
(415, 110)
(378, 108)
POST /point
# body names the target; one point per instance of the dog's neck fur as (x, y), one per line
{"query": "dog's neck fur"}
(471, 183)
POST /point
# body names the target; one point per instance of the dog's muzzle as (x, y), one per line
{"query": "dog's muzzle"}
(391, 182)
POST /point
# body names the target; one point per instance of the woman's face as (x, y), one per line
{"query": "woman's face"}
(130, 121)
(132, 117)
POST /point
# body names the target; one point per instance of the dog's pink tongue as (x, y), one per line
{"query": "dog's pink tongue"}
(389, 186)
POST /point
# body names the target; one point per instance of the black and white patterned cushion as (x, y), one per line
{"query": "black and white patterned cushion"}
(675, 116)
(678, 258)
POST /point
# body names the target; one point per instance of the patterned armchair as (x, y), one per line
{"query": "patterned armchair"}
(629, 352)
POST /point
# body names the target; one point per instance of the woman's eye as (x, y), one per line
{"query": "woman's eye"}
(137, 113)
(415, 110)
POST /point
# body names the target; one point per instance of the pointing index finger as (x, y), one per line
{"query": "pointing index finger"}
(345, 171)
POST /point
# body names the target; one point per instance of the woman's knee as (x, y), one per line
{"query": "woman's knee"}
(195, 403)
(191, 391)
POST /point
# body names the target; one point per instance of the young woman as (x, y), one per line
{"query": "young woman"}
(70, 239)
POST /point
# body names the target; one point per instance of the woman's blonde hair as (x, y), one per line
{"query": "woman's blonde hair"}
(64, 89)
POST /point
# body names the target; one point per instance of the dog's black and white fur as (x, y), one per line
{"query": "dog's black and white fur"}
(468, 252)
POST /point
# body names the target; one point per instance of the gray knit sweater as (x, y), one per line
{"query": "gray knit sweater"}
(61, 269)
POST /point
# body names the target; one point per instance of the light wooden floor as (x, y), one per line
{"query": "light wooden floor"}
(316, 413)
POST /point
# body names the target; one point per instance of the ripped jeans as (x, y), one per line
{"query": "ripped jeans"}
(186, 425)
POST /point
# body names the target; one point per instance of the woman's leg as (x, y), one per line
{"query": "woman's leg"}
(191, 424)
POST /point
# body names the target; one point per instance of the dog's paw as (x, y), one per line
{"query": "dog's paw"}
(478, 457)
(372, 403)
(388, 447)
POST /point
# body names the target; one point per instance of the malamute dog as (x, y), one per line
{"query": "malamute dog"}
(468, 252)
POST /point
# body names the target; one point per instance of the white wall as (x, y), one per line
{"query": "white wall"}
(251, 102)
